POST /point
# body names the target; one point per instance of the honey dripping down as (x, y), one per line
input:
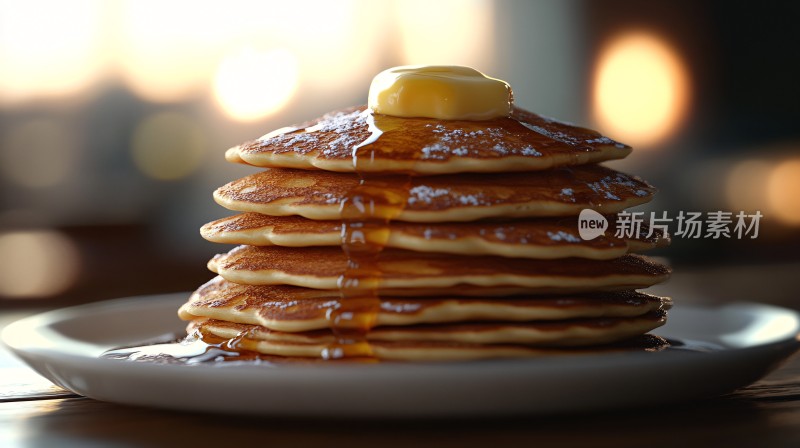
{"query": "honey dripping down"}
(366, 212)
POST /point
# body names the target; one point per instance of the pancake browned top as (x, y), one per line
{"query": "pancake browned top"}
(523, 142)
(461, 197)
(420, 330)
(437, 342)
(291, 308)
(538, 238)
(321, 267)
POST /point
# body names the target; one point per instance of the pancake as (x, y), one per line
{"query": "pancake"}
(485, 338)
(292, 309)
(544, 238)
(467, 197)
(320, 268)
(522, 142)
(593, 331)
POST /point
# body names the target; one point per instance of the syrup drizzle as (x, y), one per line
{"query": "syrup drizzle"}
(366, 212)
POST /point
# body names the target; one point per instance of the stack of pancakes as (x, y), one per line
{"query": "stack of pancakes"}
(393, 238)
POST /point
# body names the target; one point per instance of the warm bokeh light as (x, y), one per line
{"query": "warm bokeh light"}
(174, 54)
(251, 84)
(168, 50)
(746, 185)
(182, 50)
(48, 47)
(641, 89)
(168, 146)
(783, 192)
(36, 263)
(332, 46)
(455, 32)
(38, 153)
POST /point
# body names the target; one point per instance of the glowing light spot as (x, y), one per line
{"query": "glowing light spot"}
(334, 32)
(168, 146)
(39, 153)
(38, 263)
(48, 48)
(783, 190)
(447, 32)
(250, 85)
(168, 50)
(641, 89)
(745, 185)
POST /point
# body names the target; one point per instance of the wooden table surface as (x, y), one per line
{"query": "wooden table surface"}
(764, 414)
(35, 413)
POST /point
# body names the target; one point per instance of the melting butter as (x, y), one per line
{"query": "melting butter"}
(445, 92)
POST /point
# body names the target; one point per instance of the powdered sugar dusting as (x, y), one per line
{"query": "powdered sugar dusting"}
(331, 198)
(387, 305)
(607, 185)
(564, 131)
(530, 151)
(426, 194)
(500, 149)
(554, 134)
(437, 151)
(462, 143)
(568, 194)
(601, 141)
(562, 236)
(337, 129)
(294, 139)
(468, 200)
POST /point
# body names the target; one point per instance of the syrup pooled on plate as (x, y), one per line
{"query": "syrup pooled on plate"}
(202, 347)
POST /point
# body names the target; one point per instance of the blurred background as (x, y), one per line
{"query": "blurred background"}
(114, 117)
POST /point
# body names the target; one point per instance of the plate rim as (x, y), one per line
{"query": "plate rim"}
(47, 318)
(490, 384)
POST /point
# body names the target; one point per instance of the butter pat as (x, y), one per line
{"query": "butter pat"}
(446, 92)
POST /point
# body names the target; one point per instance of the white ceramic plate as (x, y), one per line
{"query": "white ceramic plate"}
(64, 345)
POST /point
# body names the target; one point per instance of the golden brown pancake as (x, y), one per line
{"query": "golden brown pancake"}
(523, 142)
(544, 238)
(291, 309)
(320, 268)
(493, 339)
(427, 351)
(465, 197)
(592, 331)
